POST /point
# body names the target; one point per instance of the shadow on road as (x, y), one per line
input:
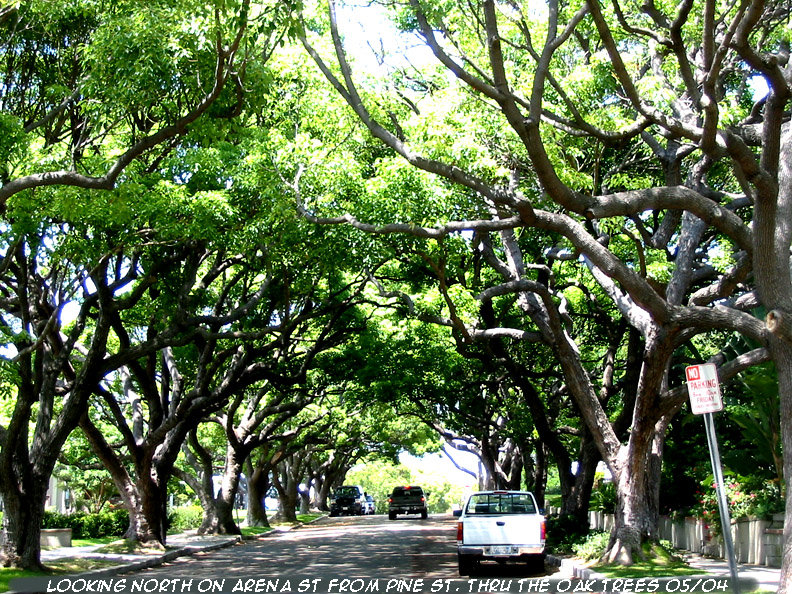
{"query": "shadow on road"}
(345, 547)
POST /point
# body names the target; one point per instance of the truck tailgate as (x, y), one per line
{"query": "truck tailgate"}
(502, 529)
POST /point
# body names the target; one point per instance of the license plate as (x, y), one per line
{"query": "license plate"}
(500, 550)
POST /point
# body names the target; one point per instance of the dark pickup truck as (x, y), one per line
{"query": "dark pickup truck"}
(407, 500)
(348, 500)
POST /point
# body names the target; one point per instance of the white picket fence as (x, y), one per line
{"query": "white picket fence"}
(759, 542)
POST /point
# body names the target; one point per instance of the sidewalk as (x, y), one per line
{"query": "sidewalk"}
(178, 545)
(766, 578)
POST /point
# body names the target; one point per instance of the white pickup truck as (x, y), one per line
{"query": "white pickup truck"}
(502, 526)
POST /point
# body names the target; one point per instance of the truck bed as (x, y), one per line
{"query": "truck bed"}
(501, 526)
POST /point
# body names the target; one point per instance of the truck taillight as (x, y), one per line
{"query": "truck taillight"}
(390, 499)
(460, 530)
(423, 499)
(544, 531)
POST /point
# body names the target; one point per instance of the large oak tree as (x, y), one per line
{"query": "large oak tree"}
(604, 126)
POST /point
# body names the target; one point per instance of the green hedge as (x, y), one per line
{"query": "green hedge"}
(83, 525)
(185, 518)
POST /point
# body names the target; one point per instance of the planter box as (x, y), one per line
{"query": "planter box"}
(56, 537)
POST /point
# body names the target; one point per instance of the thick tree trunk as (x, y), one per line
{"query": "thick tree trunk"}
(332, 480)
(224, 502)
(305, 501)
(258, 486)
(654, 473)
(635, 519)
(631, 525)
(225, 523)
(513, 468)
(489, 479)
(22, 519)
(287, 483)
(537, 480)
(202, 490)
(782, 354)
(575, 500)
(138, 524)
(288, 505)
(321, 493)
(152, 507)
(209, 516)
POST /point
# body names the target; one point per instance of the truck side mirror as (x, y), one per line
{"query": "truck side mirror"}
(457, 513)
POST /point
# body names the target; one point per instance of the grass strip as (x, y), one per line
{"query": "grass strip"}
(63, 566)
(657, 562)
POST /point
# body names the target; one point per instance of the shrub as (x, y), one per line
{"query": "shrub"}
(603, 498)
(58, 520)
(593, 546)
(185, 518)
(563, 532)
(83, 525)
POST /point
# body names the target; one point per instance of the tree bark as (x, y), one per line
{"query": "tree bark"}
(153, 509)
(226, 496)
(204, 497)
(258, 486)
(537, 482)
(287, 482)
(635, 519)
(782, 355)
(575, 501)
(22, 517)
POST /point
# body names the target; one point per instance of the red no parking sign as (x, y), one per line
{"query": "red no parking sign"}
(703, 388)
(705, 399)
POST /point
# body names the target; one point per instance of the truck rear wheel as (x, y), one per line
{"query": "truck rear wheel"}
(536, 564)
(391, 515)
(466, 565)
(424, 515)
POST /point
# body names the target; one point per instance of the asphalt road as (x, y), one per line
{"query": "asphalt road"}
(333, 548)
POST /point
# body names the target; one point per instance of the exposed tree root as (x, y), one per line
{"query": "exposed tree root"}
(624, 549)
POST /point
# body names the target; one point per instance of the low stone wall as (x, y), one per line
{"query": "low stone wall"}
(756, 541)
(56, 537)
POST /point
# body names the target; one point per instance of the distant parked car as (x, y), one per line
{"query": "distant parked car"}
(371, 508)
(348, 500)
(407, 500)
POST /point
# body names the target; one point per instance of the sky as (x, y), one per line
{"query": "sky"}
(440, 466)
(366, 28)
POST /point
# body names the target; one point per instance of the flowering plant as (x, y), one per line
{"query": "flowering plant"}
(746, 496)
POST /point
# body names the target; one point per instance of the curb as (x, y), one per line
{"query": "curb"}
(570, 567)
(158, 559)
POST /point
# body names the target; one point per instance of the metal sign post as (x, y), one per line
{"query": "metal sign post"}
(705, 398)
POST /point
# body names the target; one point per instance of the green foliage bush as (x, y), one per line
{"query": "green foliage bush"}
(603, 497)
(593, 545)
(84, 525)
(185, 518)
(564, 532)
